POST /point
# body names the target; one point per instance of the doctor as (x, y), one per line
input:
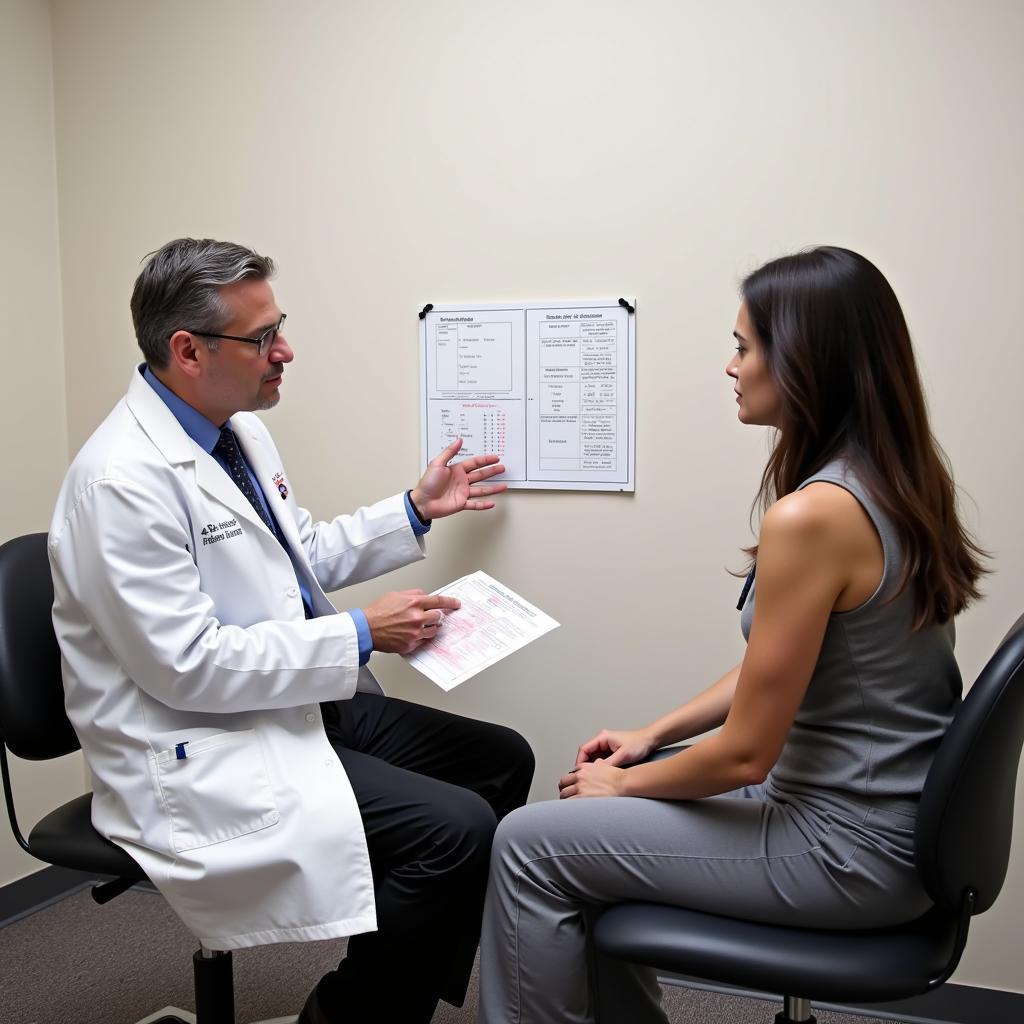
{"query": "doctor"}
(242, 752)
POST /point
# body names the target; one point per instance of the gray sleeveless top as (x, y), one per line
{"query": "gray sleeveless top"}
(881, 696)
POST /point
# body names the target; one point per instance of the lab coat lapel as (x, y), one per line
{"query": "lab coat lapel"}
(213, 478)
(179, 449)
(264, 466)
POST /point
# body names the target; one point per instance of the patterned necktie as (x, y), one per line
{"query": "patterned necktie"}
(227, 448)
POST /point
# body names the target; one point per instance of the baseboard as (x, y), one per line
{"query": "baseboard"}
(948, 1004)
(25, 896)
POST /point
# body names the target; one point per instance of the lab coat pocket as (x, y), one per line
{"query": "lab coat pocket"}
(214, 789)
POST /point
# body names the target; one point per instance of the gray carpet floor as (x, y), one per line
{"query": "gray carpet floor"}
(78, 962)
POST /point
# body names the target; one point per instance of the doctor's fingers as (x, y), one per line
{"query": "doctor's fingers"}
(447, 454)
(479, 467)
(430, 602)
(479, 490)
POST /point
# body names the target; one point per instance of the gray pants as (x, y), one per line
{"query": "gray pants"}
(752, 854)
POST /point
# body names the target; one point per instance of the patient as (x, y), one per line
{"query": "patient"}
(831, 720)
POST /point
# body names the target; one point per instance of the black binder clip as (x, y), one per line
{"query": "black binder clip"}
(425, 310)
(626, 306)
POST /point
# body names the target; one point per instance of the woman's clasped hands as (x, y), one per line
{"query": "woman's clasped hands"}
(601, 762)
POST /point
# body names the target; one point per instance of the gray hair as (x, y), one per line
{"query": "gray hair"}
(178, 291)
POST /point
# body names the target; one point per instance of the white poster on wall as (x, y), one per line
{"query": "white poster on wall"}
(550, 387)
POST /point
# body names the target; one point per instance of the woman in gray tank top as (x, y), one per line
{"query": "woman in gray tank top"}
(801, 808)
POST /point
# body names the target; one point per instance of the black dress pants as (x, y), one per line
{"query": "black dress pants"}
(431, 787)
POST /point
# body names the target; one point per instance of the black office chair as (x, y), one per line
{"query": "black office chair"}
(961, 844)
(34, 726)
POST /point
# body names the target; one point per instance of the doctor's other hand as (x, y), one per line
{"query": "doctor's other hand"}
(617, 747)
(403, 620)
(444, 490)
(595, 778)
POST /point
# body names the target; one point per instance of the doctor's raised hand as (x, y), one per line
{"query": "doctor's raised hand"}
(446, 489)
(401, 621)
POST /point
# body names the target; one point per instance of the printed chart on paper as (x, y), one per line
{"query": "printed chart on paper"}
(548, 386)
(490, 624)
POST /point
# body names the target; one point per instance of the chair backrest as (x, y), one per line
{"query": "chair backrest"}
(33, 723)
(965, 819)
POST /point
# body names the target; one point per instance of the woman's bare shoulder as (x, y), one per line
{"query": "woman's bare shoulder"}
(821, 514)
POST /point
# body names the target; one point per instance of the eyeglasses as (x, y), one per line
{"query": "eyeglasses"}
(265, 340)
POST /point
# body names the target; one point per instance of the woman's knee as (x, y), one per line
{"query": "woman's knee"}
(518, 839)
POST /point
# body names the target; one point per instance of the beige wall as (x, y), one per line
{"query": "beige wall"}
(391, 154)
(32, 414)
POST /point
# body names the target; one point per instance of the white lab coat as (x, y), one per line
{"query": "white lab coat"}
(180, 623)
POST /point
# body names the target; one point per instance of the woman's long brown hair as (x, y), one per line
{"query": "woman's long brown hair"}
(837, 347)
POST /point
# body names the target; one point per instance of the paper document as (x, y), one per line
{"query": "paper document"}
(492, 622)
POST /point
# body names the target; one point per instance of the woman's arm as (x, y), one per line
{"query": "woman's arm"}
(708, 710)
(625, 746)
(805, 561)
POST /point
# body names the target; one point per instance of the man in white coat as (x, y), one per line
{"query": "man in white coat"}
(241, 750)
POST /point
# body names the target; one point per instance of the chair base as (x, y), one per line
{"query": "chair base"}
(795, 1010)
(782, 1017)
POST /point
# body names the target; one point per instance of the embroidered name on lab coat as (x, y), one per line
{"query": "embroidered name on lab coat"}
(214, 533)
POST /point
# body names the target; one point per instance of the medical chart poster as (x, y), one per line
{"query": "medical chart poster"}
(550, 387)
